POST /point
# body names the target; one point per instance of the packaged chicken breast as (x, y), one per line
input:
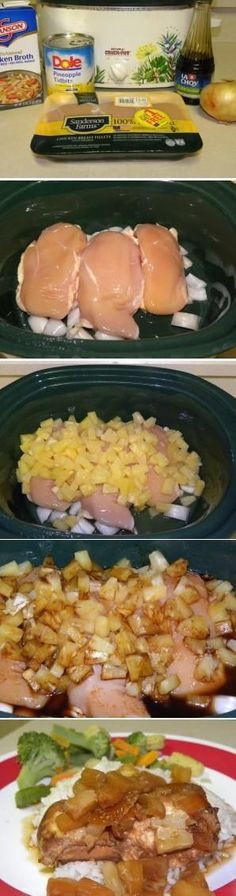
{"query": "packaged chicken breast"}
(114, 124)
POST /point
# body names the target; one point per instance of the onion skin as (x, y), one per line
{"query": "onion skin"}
(219, 100)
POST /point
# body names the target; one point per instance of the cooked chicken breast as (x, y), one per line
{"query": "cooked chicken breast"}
(144, 818)
(13, 687)
(105, 699)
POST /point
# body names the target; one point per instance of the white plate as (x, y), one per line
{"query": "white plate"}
(22, 877)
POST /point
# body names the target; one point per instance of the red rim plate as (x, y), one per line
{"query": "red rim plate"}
(217, 758)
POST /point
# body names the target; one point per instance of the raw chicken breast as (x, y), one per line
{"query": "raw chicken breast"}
(111, 283)
(42, 494)
(106, 509)
(165, 290)
(49, 269)
(105, 699)
(155, 482)
(13, 687)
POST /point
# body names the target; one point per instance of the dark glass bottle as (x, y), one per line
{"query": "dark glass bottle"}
(195, 65)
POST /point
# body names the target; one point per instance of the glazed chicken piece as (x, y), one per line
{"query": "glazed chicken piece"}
(107, 699)
(49, 270)
(184, 659)
(13, 687)
(114, 817)
(165, 290)
(111, 284)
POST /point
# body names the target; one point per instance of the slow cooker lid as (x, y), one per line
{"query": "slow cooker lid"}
(133, 4)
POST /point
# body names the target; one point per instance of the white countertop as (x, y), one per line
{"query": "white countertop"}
(215, 160)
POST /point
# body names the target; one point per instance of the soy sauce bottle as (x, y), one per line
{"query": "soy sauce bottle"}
(195, 65)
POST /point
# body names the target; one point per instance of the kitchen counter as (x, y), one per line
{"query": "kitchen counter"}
(220, 731)
(215, 160)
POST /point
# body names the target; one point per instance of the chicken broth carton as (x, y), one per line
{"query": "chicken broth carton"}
(20, 70)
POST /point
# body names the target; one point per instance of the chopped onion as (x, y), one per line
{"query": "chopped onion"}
(222, 704)
(158, 561)
(232, 644)
(197, 295)
(106, 530)
(75, 508)
(55, 328)
(188, 500)
(43, 514)
(6, 707)
(189, 489)
(174, 233)
(185, 320)
(183, 250)
(57, 515)
(100, 335)
(187, 263)
(82, 334)
(13, 605)
(83, 527)
(177, 512)
(73, 318)
(195, 282)
(37, 324)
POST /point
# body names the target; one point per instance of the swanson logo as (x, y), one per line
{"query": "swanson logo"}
(9, 30)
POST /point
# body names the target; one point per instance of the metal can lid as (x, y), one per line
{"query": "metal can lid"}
(67, 39)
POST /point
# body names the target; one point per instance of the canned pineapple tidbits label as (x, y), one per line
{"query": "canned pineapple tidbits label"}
(20, 73)
(69, 63)
(139, 125)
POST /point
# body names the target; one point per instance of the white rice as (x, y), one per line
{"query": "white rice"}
(94, 870)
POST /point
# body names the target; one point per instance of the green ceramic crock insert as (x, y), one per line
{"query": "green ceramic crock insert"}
(204, 413)
(204, 214)
(211, 558)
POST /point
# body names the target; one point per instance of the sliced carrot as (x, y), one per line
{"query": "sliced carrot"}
(148, 758)
(125, 747)
(61, 776)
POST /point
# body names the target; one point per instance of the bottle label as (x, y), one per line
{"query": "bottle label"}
(190, 84)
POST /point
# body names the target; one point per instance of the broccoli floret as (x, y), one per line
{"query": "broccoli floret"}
(138, 739)
(77, 757)
(98, 741)
(39, 756)
(94, 740)
(31, 795)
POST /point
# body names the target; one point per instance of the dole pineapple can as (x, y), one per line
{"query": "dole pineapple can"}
(69, 63)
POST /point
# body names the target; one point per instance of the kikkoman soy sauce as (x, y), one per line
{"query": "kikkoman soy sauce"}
(195, 65)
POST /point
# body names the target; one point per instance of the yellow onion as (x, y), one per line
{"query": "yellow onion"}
(219, 100)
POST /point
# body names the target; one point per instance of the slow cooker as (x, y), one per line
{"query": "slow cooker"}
(135, 45)
(203, 413)
(212, 558)
(204, 214)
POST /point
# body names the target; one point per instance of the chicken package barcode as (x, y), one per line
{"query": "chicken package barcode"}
(131, 101)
